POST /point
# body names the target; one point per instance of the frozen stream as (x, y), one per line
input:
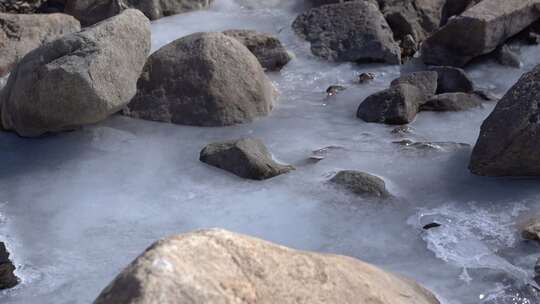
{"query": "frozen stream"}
(76, 208)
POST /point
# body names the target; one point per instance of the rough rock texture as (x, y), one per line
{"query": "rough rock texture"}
(7, 275)
(452, 102)
(217, 266)
(531, 231)
(452, 80)
(20, 6)
(426, 81)
(93, 11)
(478, 31)
(204, 79)
(271, 54)
(506, 56)
(79, 79)
(351, 31)
(397, 105)
(361, 183)
(509, 138)
(246, 157)
(19, 34)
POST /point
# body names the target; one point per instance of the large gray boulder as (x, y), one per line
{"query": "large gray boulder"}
(426, 81)
(452, 102)
(78, 79)
(361, 183)
(218, 266)
(509, 139)
(204, 79)
(271, 54)
(8, 279)
(246, 157)
(452, 79)
(351, 31)
(21, 33)
(479, 30)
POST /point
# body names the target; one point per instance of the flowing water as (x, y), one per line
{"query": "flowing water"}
(77, 207)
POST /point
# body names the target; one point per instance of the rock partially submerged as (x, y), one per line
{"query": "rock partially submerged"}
(478, 31)
(21, 33)
(78, 79)
(531, 231)
(352, 31)
(246, 157)
(268, 49)
(509, 138)
(451, 80)
(217, 266)
(426, 81)
(361, 183)
(452, 102)
(204, 79)
(8, 279)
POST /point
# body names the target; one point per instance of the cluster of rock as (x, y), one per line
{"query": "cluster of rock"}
(8, 279)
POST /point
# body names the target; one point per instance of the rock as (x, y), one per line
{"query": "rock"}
(452, 80)
(19, 34)
(351, 31)
(204, 79)
(431, 226)
(8, 279)
(246, 157)
(267, 48)
(478, 31)
(334, 90)
(21, 6)
(92, 11)
(531, 231)
(395, 106)
(505, 56)
(218, 266)
(436, 146)
(426, 81)
(365, 77)
(79, 79)
(509, 138)
(409, 46)
(452, 102)
(361, 183)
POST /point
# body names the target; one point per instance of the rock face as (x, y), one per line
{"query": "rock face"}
(78, 79)
(204, 79)
(217, 266)
(246, 157)
(268, 49)
(478, 31)
(452, 102)
(451, 80)
(351, 31)
(361, 183)
(19, 34)
(7, 276)
(509, 139)
(395, 106)
(93, 11)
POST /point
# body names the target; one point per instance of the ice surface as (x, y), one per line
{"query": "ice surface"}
(75, 208)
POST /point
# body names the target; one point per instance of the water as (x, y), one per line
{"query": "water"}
(77, 207)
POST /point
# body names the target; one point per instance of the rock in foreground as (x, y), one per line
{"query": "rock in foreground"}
(247, 158)
(7, 275)
(217, 266)
(509, 138)
(361, 183)
(78, 79)
(204, 79)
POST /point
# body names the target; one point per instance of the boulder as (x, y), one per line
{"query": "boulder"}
(351, 31)
(531, 230)
(218, 266)
(93, 11)
(8, 279)
(451, 79)
(509, 138)
(361, 183)
(506, 56)
(452, 102)
(426, 81)
(268, 49)
(246, 157)
(478, 31)
(20, 33)
(204, 79)
(79, 79)
(395, 106)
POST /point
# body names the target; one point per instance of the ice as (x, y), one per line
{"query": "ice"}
(77, 207)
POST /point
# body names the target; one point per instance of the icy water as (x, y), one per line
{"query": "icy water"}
(77, 207)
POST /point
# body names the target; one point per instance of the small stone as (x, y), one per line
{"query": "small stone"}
(431, 225)
(361, 183)
(334, 90)
(365, 77)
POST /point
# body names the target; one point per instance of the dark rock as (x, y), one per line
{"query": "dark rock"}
(507, 57)
(8, 279)
(395, 106)
(361, 183)
(452, 80)
(204, 79)
(431, 226)
(365, 77)
(351, 31)
(247, 158)
(334, 90)
(426, 81)
(449, 102)
(531, 231)
(509, 139)
(21, 6)
(409, 47)
(79, 79)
